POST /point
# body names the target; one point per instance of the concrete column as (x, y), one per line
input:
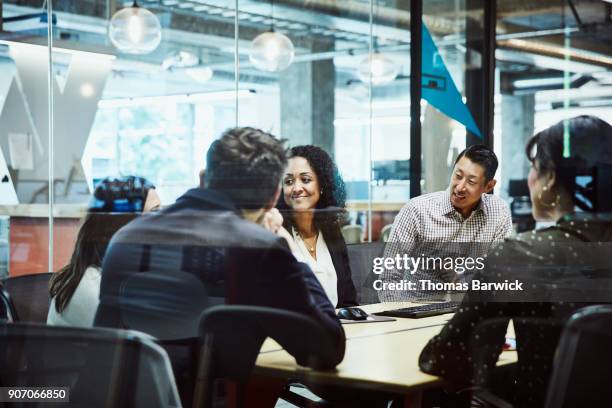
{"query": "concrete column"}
(437, 134)
(517, 127)
(307, 91)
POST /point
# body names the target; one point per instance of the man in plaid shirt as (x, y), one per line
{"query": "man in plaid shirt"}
(461, 222)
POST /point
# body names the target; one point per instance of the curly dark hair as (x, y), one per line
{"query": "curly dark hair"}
(331, 212)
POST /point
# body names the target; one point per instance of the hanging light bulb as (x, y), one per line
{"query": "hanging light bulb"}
(271, 51)
(383, 69)
(200, 73)
(135, 30)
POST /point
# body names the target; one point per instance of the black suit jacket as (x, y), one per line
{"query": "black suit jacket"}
(557, 267)
(224, 258)
(347, 295)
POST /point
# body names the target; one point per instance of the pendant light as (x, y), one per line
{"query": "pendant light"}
(377, 67)
(135, 30)
(271, 51)
(383, 70)
(200, 73)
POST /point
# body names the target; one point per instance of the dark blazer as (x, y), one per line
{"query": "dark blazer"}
(233, 260)
(347, 295)
(562, 268)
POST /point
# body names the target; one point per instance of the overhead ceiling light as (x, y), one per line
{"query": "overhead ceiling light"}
(377, 67)
(135, 30)
(271, 51)
(180, 59)
(200, 73)
(190, 63)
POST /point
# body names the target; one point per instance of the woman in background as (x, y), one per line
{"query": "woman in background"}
(313, 209)
(75, 289)
(550, 263)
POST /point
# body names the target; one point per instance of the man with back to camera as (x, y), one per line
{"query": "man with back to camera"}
(212, 234)
(453, 225)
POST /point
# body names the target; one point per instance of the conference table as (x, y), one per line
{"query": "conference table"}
(380, 356)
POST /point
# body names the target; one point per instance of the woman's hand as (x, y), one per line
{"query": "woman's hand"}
(272, 220)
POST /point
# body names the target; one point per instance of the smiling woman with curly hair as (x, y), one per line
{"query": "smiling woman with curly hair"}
(312, 206)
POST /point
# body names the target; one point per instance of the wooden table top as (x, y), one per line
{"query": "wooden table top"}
(379, 355)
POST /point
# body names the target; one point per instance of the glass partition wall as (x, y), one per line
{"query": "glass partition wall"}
(93, 91)
(26, 222)
(554, 62)
(88, 93)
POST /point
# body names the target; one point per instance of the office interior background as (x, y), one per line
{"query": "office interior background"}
(393, 112)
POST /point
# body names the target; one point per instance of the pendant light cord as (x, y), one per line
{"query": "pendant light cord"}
(272, 15)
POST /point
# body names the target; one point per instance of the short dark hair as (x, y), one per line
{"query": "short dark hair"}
(246, 164)
(482, 155)
(590, 142)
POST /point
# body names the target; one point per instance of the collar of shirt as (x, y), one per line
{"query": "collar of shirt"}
(447, 208)
(207, 199)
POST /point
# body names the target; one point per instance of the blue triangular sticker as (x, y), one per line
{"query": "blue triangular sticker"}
(439, 89)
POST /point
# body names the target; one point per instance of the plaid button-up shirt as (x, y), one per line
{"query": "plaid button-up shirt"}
(429, 225)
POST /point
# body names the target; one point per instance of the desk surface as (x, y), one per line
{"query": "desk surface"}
(380, 355)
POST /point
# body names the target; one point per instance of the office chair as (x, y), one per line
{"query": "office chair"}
(582, 374)
(232, 337)
(385, 232)
(167, 305)
(526, 381)
(352, 234)
(361, 256)
(30, 296)
(7, 309)
(100, 367)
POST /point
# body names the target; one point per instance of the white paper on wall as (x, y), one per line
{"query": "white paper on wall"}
(20, 151)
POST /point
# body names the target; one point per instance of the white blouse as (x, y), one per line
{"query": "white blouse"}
(323, 266)
(81, 309)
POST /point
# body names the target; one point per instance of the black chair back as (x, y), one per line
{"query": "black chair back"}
(7, 309)
(100, 367)
(361, 257)
(523, 383)
(233, 335)
(582, 375)
(30, 296)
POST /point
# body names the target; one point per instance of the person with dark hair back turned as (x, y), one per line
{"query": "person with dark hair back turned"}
(75, 288)
(209, 248)
(440, 230)
(555, 271)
